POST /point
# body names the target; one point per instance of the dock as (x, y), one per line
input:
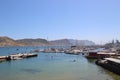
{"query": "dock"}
(110, 64)
(18, 56)
(113, 60)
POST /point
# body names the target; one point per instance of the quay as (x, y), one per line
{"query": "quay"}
(111, 64)
(18, 56)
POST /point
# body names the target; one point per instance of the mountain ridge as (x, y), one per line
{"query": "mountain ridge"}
(34, 42)
(72, 42)
(6, 41)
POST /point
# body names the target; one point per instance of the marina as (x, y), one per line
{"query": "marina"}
(59, 40)
(51, 66)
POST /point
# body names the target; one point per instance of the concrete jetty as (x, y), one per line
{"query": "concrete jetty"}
(111, 64)
(3, 57)
(17, 56)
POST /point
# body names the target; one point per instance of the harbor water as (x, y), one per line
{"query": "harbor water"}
(51, 66)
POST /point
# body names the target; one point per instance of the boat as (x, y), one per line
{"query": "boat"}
(75, 52)
(99, 55)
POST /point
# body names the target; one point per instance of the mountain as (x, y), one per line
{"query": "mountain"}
(81, 42)
(61, 42)
(34, 42)
(6, 41)
(70, 42)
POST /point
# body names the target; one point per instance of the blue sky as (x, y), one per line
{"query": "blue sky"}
(96, 20)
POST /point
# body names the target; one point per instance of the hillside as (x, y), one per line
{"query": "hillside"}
(61, 42)
(6, 41)
(81, 42)
(34, 42)
(70, 42)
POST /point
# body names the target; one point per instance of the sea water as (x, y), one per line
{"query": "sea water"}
(51, 66)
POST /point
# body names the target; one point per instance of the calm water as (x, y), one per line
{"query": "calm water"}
(51, 66)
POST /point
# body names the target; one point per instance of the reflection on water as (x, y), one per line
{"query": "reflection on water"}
(114, 76)
(104, 71)
(52, 66)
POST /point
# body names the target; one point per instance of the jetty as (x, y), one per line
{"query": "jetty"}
(111, 64)
(3, 57)
(18, 56)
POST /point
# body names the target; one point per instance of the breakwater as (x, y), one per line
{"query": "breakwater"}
(17, 56)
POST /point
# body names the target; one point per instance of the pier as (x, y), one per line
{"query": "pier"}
(18, 56)
(111, 64)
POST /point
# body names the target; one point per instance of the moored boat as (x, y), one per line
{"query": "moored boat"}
(99, 55)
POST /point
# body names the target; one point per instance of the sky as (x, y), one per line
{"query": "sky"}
(95, 20)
